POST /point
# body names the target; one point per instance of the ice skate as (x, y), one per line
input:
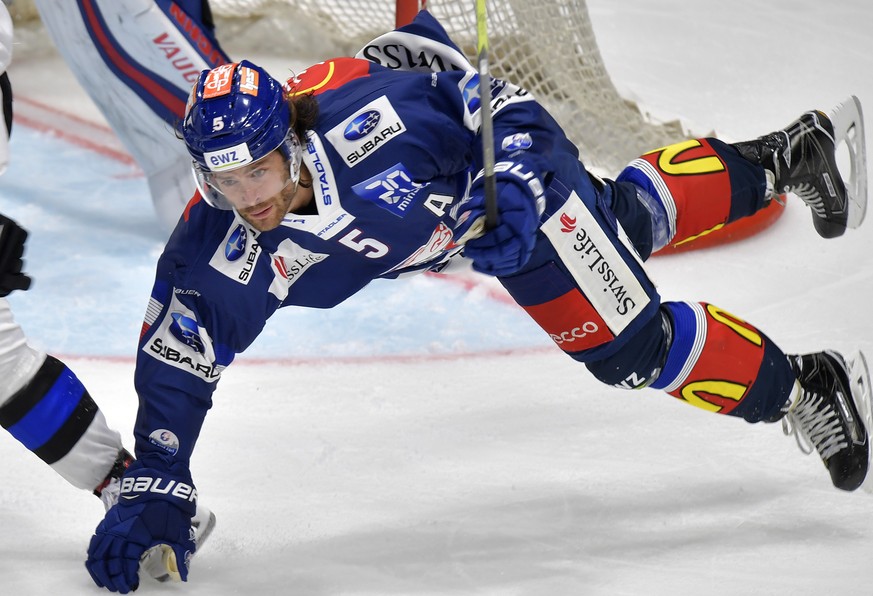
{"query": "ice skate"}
(158, 562)
(802, 159)
(831, 413)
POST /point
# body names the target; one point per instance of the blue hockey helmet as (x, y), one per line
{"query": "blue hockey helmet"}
(236, 115)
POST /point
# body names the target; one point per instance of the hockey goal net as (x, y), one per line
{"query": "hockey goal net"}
(546, 46)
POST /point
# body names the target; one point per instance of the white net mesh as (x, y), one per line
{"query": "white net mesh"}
(546, 46)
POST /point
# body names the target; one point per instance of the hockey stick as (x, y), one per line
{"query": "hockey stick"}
(487, 128)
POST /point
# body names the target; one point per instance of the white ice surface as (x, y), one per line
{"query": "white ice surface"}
(439, 465)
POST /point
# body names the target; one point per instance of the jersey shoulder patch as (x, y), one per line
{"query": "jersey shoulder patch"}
(327, 75)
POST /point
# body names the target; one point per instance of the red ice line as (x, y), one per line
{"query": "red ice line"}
(71, 128)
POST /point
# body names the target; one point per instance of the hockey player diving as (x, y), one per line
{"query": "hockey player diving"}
(352, 171)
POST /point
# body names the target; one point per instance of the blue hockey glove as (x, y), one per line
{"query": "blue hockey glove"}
(154, 508)
(12, 237)
(507, 247)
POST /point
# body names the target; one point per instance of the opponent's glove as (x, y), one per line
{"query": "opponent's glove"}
(12, 237)
(154, 508)
(507, 247)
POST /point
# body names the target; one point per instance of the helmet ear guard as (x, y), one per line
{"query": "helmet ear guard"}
(237, 114)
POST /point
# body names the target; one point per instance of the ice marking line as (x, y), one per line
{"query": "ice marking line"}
(470, 283)
(242, 360)
(73, 129)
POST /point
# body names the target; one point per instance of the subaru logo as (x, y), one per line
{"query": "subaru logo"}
(185, 330)
(520, 141)
(236, 244)
(471, 94)
(362, 125)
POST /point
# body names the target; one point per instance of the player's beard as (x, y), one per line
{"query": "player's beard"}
(267, 215)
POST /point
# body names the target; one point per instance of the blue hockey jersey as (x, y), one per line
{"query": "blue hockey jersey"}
(392, 155)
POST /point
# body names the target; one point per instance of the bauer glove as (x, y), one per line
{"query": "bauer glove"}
(154, 509)
(507, 247)
(12, 237)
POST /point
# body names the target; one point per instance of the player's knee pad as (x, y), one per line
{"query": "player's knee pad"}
(137, 60)
(6, 38)
(702, 184)
(139, 52)
(170, 188)
(723, 364)
(642, 216)
(640, 360)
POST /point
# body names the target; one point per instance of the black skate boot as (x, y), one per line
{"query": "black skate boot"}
(802, 160)
(825, 414)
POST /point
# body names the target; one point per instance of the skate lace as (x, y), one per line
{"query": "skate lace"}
(810, 195)
(815, 424)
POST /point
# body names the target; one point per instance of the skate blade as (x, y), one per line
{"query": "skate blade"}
(859, 380)
(848, 122)
(159, 563)
(203, 527)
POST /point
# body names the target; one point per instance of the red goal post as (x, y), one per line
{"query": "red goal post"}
(407, 9)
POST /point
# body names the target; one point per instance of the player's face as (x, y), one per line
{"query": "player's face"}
(262, 192)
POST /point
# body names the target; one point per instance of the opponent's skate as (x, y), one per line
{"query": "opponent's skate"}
(158, 562)
(832, 413)
(802, 159)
